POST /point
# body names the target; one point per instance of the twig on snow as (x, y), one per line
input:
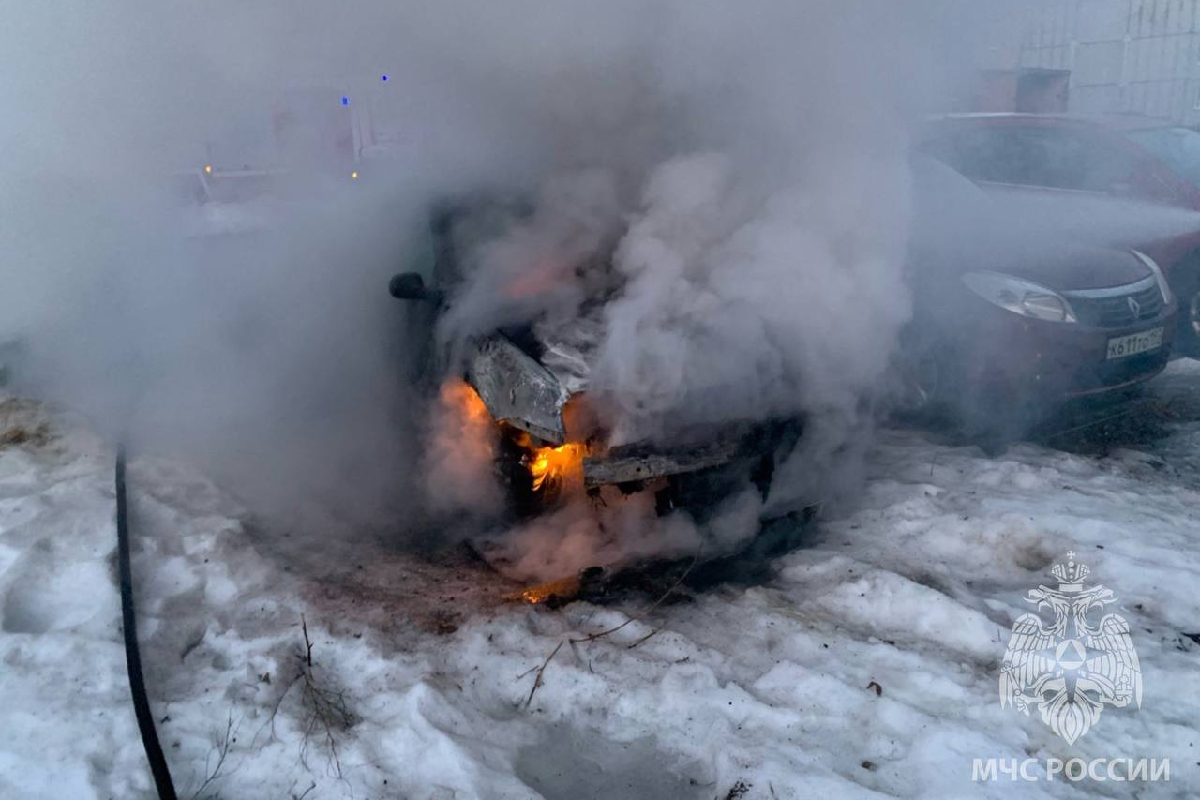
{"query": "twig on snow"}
(541, 672)
(591, 637)
(326, 709)
(644, 638)
(307, 643)
(312, 785)
(221, 746)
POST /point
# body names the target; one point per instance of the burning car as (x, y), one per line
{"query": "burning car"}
(1004, 327)
(532, 383)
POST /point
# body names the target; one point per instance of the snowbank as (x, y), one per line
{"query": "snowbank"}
(866, 668)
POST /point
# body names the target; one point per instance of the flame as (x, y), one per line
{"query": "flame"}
(461, 396)
(562, 464)
(539, 279)
(565, 590)
(458, 465)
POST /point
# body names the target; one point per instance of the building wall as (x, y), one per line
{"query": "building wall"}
(1135, 56)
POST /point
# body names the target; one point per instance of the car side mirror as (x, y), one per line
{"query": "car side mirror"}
(411, 286)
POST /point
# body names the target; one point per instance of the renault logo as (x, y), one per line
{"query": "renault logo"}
(1135, 307)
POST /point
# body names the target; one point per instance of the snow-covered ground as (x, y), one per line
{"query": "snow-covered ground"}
(866, 667)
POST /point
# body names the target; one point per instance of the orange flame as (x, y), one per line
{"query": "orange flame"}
(561, 467)
(538, 279)
(559, 464)
(564, 590)
(460, 395)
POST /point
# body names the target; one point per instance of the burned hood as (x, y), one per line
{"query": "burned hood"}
(525, 380)
(517, 389)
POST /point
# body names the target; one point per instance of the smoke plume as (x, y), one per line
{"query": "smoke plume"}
(742, 169)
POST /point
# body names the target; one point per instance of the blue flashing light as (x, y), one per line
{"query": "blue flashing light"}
(345, 100)
(383, 77)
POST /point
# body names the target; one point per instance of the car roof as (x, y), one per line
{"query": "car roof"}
(1116, 121)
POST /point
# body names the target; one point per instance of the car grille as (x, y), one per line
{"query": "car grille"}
(1111, 308)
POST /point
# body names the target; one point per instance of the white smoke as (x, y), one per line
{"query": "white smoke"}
(745, 304)
(545, 268)
(615, 530)
(754, 270)
(460, 448)
(744, 164)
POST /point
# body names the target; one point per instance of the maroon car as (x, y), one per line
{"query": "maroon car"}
(1011, 318)
(1096, 176)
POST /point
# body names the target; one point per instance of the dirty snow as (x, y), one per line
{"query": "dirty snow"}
(867, 667)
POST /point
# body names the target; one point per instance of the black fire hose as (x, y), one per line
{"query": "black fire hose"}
(133, 657)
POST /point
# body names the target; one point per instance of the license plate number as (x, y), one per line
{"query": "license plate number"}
(1134, 343)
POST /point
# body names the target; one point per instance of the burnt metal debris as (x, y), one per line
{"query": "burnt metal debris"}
(629, 465)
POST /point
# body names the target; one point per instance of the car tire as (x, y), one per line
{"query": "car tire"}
(951, 400)
(991, 427)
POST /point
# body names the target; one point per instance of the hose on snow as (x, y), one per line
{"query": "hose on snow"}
(133, 656)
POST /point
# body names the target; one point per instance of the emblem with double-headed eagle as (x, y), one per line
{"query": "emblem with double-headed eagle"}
(1069, 670)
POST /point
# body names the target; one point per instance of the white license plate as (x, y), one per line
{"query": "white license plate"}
(1135, 343)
